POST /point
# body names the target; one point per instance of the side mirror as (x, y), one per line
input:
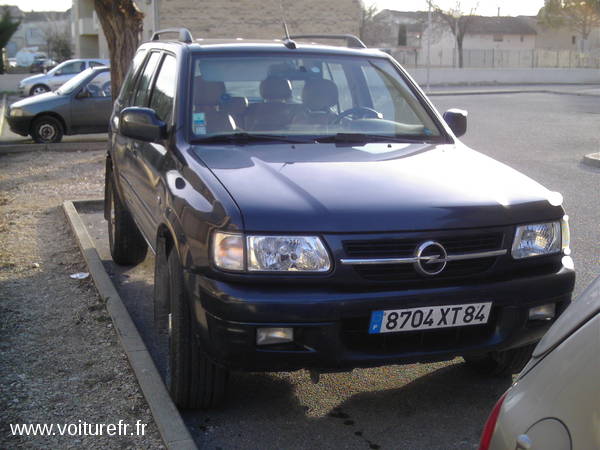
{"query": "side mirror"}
(142, 123)
(457, 121)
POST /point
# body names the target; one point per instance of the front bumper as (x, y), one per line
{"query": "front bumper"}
(330, 325)
(19, 125)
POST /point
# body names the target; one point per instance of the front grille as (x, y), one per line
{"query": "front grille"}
(387, 248)
(402, 248)
(355, 337)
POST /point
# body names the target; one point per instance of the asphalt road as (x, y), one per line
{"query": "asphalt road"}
(419, 406)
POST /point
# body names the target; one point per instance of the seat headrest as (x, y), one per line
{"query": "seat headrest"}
(234, 105)
(319, 94)
(207, 93)
(275, 89)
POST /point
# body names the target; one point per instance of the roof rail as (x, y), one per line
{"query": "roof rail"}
(351, 40)
(184, 34)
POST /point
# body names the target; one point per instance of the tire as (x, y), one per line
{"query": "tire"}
(500, 363)
(46, 130)
(127, 245)
(39, 89)
(193, 380)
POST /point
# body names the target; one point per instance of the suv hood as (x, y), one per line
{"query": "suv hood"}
(374, 187)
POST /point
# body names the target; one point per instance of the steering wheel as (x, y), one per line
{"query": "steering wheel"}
(359, 112)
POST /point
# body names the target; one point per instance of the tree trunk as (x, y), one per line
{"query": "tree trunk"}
(459, 47)
(122, 23)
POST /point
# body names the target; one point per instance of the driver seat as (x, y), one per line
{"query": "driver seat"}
(318, 97)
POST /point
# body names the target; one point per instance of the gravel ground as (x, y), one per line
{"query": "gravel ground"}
(60, 359)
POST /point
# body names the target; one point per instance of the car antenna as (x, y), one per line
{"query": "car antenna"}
(287, 41)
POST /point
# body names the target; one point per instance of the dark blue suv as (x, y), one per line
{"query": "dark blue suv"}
(309, 208)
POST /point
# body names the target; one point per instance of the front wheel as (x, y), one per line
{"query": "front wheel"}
(502, 363)
(46, 130)
(39, 89)
(193, 380)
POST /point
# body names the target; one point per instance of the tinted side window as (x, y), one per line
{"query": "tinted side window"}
(72, 68)
(143, 87)
(95, 64)
(129, 82)
(164, 88)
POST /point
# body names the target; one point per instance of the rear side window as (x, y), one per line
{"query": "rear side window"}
(164, 88)
(143, 87)
(96, 64)
(129, 82)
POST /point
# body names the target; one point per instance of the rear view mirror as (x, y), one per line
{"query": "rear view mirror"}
(142, 123)
(457, 121)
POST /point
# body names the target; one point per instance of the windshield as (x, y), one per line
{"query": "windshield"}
(74, 82)
(318, 96)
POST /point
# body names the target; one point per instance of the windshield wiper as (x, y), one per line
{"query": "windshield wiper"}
(244, 138)
(362, 138)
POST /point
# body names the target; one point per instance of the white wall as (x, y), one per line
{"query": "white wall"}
(441, 76)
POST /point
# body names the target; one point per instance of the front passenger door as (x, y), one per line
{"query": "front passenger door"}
(133, 175)
(65, 73)
(152, 155)
(91, 107)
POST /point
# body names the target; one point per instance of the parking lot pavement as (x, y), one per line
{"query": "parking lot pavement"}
(417, 406)
(387, 407)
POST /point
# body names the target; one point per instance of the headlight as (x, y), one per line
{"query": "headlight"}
(566, 235)
(287, 254)
(228, 251)
(537, 239)
(16, 112)
(269, 253)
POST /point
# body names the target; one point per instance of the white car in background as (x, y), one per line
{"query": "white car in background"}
(53, 79)
(555, 402)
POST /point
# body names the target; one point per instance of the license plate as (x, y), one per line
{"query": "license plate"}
(429, 317)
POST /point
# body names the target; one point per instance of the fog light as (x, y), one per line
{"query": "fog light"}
(544, 312)
(272, 335)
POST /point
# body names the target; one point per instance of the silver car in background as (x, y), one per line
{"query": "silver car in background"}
(555, 402)
(53, 79)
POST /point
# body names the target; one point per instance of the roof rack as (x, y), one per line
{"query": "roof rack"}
(184, 34)
(351, 40)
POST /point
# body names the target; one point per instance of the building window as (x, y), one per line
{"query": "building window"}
(402, 35)
(573, 40)
(498, 38)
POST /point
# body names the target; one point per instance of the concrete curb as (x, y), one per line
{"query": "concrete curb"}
(59, 147)
(593, 159)
(2, 120)
(170, 424)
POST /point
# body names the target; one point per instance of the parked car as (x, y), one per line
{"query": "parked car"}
(310, 209)
(56, 77)
(82, 105)
(555, 402)
(38, 64)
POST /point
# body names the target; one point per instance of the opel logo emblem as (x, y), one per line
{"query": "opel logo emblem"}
(431, 258)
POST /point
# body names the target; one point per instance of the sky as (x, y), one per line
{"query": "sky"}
(485, 7)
